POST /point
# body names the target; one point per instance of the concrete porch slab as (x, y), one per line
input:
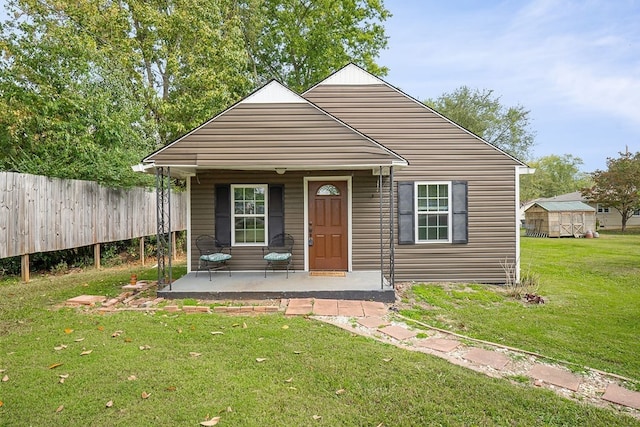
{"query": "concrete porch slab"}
(622, 396)
(555, 376)
(487, 357)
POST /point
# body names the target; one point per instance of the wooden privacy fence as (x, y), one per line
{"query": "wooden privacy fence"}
(42, 214)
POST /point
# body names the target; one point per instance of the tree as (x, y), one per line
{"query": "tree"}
(91, 86)
(554, 175)
(299, 42)
(480, 112)
(619, 186)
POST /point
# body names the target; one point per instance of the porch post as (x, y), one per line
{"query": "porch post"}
(381, 232)
(163, 218)
(392, 245)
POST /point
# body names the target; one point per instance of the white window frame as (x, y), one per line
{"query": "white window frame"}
(418, 213)
(265, 215)
(602, 209)
(636, 212)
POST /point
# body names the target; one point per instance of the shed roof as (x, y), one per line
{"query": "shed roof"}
(572, 206)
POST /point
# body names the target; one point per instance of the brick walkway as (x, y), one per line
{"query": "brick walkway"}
(374, 320)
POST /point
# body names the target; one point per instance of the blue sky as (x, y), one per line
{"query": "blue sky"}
(574, 64)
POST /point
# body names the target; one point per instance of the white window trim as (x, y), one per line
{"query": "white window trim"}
(265, 215)
(602, 209)
(417, 212)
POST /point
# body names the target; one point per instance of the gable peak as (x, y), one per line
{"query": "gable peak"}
(351, 74)
(273, 92)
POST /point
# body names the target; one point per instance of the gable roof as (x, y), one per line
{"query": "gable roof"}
(576, 196)
(571, 206)
(274, 128)
(340, 92)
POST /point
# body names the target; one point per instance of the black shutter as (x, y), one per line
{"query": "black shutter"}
(460, 220)
(276, 210)
(223, 214)
(406, 221)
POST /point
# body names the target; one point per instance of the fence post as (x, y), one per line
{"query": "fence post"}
(24, 266)
(96, 255)
(142, 250)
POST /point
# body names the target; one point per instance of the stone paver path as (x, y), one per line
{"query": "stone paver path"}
(372, 320)
(555, 376)
(622, 396)
(487, 357)
(440, 344)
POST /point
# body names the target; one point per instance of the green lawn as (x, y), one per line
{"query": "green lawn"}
(592, 311)
(306, 363)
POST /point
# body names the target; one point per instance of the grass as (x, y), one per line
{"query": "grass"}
(592, 311)
(306, 363)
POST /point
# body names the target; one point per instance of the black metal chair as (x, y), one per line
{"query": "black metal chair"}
(213, 255)
(279, 252)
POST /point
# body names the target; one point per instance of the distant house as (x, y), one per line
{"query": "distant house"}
(559, 219)
(362, 175)
(606, 217)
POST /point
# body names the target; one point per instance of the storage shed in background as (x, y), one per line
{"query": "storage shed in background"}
(559, 219)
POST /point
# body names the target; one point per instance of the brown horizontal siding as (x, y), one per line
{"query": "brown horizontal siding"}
(436, 150)
(203, 216)
(270, 135)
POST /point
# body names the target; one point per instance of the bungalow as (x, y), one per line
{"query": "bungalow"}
(363, 176)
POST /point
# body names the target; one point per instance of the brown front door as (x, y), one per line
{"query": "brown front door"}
(328, 231)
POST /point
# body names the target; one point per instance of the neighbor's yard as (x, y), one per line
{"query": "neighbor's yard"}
(591, 317)
(592, 311)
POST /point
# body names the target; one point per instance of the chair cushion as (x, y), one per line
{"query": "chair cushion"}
(217, 257)
(277, 256)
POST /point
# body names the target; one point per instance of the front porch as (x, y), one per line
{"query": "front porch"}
(359, 285)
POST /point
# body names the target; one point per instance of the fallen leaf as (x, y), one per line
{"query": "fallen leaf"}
(292, 388)
(380, 425)
(2, 370)
(388, 359)
(341, 391)
(79, 340)
(109, 404)
(192, 327)
(260, 359)
(116, 334)
(144, 347)
(64, 376)
(132, 378)
(289, 380)
(60, 408)
(297, 352)
(179, 331)
(101, 328)
(68, 331)
(285, 327)
(171, 388)
(235, 325)
(145, 395)
(213, 421)
(317, 417)
(128, 339)
(229, 409)
(217, 333)
(194, 354)
(55, 365)
(86, 352)
(60, 347)
(261, 338)
(244, 325)
(1, 403)
(5, 378)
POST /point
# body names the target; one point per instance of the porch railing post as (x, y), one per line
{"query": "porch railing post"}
(381, 230)
(392, 246)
